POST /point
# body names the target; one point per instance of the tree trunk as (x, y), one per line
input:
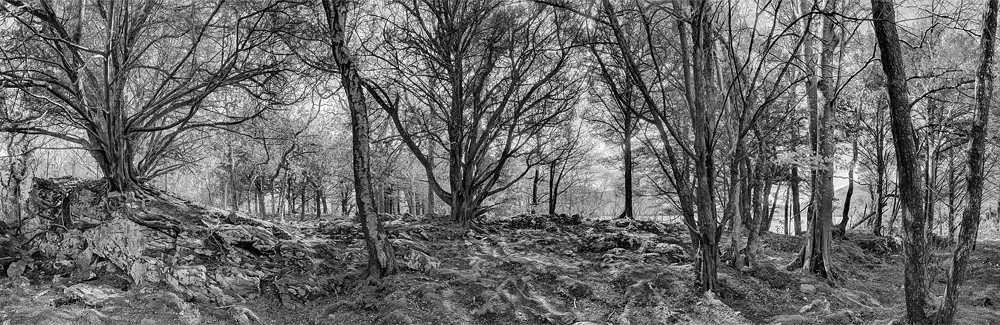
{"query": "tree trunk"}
(553, 192)
(815, 254)
(627, 144)
(845, 215)
(907, 161)
(115, 161)
(259, 188)
(760, 190)
(788, 196)
(381, 261)
(274, 201)
(766, 225)
(930, 186)
(344, 200)
(411, 200)
(734, 209)
(430, 185)
(881, 199)
(302, 200)
(796, 205)
(534, 192)
(326, 207)
(821, 233)
(318, 200)
(701, 121)
(974, 180)
(952, 187)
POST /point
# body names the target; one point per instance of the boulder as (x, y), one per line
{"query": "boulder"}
(880, 246)
(789, 320)
(817, 307)
(575, 288)
(839, 317)
(807, 289)
(600, 243)
(90, 294)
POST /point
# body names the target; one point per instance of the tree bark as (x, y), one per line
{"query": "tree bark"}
(907, 161)
(701, 121)
(977, 153)
(381, 261)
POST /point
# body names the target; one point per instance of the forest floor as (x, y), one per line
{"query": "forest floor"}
(528, 270)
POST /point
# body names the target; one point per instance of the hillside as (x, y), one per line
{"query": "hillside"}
(525, 270)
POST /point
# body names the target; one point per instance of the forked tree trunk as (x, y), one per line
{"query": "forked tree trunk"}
(814, 257)
(974, 180)
(381, 261)
(909, 193)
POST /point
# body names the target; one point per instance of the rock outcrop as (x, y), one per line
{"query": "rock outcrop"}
(80, 231)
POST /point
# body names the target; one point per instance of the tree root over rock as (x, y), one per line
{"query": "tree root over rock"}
(204, 254)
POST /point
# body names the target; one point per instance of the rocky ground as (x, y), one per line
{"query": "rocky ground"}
(523, 270)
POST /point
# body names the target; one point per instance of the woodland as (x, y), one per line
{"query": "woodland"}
(499, 162)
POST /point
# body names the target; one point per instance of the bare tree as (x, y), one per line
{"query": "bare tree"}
(381, 261)
(617, 116)
(907, 160)
(977, 153)
(493, 73)
(127, 80)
